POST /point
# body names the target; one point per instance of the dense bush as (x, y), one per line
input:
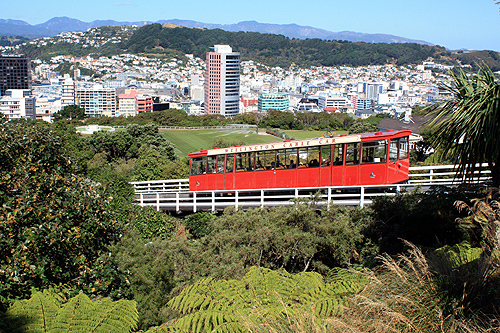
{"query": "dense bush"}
(426, 219)
(55, 226)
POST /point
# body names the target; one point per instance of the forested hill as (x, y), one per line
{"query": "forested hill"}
(278, 50)
(268, 49)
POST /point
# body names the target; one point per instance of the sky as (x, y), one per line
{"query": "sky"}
(455, 24)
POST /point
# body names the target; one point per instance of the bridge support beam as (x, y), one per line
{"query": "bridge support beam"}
(194, 202)
(362, 197)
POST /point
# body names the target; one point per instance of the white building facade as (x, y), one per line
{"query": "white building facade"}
(68, 92)
(18, 103)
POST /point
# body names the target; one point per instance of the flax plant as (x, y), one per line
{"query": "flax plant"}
(467, 127)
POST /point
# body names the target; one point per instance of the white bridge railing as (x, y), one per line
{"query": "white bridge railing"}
(174, 195)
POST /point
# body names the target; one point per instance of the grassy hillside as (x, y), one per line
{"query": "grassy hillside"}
(310, 134)
(188, 141)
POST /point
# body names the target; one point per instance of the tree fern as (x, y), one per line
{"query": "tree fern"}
(262, 294)
(34, 315)
(43, 312)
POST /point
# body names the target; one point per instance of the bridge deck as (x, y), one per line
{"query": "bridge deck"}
(174, 195)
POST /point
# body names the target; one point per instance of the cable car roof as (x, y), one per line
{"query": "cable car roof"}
(302, 143)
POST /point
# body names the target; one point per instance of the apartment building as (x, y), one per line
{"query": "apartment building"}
(126, 104)
(143, 103)
(97, 101)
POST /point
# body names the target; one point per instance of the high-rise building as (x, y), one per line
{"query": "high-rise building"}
(68, 92)
(372, 90)
(15, 72)
(222, 81)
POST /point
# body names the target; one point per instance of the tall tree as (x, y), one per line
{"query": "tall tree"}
(55, 227)
(468, 125)
(70, 112)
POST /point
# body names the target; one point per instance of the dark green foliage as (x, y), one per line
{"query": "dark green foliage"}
(54, 226)
(427, 219)
(152, 165)
(170, 117)
(126, 144)
(490, 58)
(468, 276)
(12, 41)
(74, 142)
(272, 119)
(199, 224)
(150, 275)
(70, 112)
(116, 145)
(152, 224)
(46, 312)
(280, 119)
(297, 238)
(362, 126)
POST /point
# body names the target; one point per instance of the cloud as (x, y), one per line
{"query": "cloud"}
(124, 4)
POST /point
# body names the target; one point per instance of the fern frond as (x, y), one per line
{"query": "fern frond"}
(36, 314)
(208, 321)
(43, 313)
(118, 316)
(261, 295)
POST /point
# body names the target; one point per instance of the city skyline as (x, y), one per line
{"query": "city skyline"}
(453, 24)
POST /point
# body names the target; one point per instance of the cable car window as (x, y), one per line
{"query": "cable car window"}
(326, 155)
(265, 160)
(352, 153)
(374, 151)
(229, 162)
(244, 162)
(338, 154)
(309, 157)
(211, 164)
(286, 159)
(198, 165)
(403, 148)
(220, 163)
(393, 150)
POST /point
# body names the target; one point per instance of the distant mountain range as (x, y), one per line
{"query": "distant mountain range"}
(57, 25)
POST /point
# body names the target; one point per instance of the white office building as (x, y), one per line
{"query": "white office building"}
(18, 103)
(338, 102)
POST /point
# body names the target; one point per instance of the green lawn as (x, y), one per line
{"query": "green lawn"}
(188, 141)
(310, 134)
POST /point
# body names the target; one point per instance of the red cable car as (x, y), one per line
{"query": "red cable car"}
(345, 160)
